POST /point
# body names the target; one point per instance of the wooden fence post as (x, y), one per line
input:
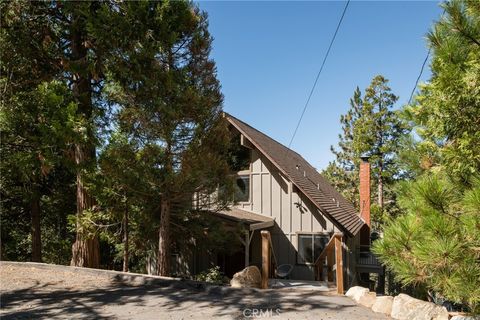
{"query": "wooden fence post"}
(265, 257)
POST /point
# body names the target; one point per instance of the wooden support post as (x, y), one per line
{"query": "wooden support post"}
(247, 248)
(319, 270)
(339, 262)
(330, 263)
(265, 258)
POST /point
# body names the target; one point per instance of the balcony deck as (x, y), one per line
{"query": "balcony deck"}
(367, 262)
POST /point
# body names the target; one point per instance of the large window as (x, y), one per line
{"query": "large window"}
(242, 188)
(310, 246)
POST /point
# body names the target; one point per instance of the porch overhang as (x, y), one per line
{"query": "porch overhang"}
(254, 221)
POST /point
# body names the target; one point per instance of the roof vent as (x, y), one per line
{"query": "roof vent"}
(333, 199)
(304, 174)
(297, 166)
(318, 186)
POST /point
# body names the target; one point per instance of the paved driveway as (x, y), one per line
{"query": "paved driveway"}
(42, 291)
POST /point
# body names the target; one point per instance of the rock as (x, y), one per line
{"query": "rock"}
(356, 292)
(405, 307)
(362, 296)
(459, 317)
(250, 277)
(367, 299)
(383, 305)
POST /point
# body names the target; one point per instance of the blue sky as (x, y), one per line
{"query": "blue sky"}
(268, 55)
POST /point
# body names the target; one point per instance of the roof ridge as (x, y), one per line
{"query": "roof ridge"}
(281, 144)
(311, 182)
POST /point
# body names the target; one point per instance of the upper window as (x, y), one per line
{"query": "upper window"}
(310, 246)
(242, 188)
(238, 155)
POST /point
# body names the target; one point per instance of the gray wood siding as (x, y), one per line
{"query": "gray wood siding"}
(272, 195)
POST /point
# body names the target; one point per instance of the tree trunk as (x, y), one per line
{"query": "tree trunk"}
(164, 238)
(35, 227)
(85, 250)
(380, 185)
(125, 239)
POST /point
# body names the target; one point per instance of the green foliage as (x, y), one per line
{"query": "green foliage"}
(370, 126)
(170, 112)
(446, 111)
(129, 84)
(36, 127)
(212, 275)
(436, 242)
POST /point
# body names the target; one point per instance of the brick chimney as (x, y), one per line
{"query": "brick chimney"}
(365, 188)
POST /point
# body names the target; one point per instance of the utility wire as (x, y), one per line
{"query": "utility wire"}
(319, 72)
(423, 66)
(419, 75)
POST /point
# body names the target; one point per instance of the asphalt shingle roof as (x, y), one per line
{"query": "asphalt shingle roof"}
(311, 183)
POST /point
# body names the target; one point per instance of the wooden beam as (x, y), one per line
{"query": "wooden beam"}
(339, 263)
(265, 257)
(261, 225)
(245, 143)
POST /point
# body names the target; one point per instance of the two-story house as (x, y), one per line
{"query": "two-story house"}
(279, 191)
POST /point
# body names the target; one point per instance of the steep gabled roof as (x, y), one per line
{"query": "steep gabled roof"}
(311, 183)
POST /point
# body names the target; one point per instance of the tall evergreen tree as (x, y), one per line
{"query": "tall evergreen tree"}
(147, 60)
(343, 172)
(435, 243)
(446, 110)
(56, 41)
(171, 104)
(35, 125)
(369, 127)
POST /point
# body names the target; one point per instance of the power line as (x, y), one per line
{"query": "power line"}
(420, 74)
(423, 66)
(319, 72)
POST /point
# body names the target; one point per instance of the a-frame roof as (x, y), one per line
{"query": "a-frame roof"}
(311, 183)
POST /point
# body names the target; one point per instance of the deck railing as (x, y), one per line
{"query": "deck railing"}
(367, 258)
(332, 254)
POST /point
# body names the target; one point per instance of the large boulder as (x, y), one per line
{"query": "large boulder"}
(383, 305)
(367, 299)
(356, 292)
(405, 307)
(250, 277)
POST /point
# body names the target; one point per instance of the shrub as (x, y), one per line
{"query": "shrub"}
(212, 275)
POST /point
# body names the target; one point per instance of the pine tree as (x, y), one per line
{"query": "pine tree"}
(56, 41)
(171, 104)
(369, 127)
(435, 243)
(446, 110)
(35, 125)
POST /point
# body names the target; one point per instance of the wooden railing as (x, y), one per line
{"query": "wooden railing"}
(333, 253)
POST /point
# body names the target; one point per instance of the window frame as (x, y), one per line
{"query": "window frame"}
(247, 173)
(324, 234)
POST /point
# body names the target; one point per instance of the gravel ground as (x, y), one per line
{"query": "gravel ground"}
(43, 291)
